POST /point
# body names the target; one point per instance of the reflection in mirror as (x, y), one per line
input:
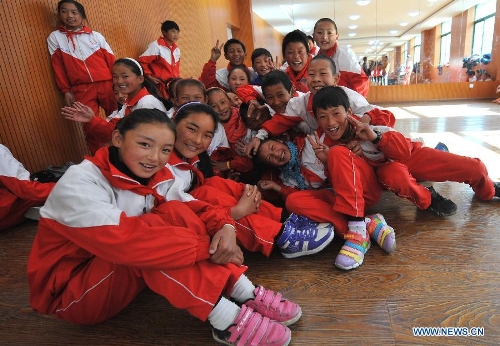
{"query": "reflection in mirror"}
(426, 41)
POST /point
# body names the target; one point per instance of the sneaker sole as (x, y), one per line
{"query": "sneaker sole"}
(293, 320)
(311, 252)
(227, 343)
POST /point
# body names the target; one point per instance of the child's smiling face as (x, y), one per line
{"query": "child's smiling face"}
(333, 121)
(319, 75)
(277, 97)
(296, 56)
(325, 35)
(70, 16)
(235, 54)
(219, 101)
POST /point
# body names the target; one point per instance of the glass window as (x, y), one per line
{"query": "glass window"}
(445, 43)
(484, 24)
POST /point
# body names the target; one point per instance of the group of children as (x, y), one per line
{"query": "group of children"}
(185, 173)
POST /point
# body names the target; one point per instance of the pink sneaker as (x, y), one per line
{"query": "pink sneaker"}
(251, 328)
(273, 305)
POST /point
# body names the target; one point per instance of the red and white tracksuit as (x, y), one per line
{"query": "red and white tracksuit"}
(17, 192)
(161, 61)
(82, 62)
(235, 131)
(101, 129)
(103, 237)
(299, 79)
(257, 231)
(211, 77)
(299, 111)
(351, 74)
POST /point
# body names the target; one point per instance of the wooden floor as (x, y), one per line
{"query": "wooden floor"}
(444, 273)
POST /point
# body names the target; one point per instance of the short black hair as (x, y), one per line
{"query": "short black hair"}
(326, 20)
(295, 36)
(330, 96)
(169, 24)
(79, 7)
(333, 67)
(259, 52)
(233, 41)
(276, 77)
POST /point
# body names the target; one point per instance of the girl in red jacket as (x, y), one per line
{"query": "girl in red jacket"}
(128, 78)
(82, 61)
(119, 222)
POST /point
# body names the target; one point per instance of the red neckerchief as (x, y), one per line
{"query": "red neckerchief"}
(310, 105)
(300, 77)
(187, 165)
(129, 104)
(330, 52)
(70, 34)
(118, 179)
(162, 42)
(234, 127)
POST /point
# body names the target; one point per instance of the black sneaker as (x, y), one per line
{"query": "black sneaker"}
(497, 189)
(439, 205)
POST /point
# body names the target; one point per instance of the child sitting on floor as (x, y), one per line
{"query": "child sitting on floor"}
(119, 222)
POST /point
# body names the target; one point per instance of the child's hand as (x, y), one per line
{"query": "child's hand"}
(239, 146)
(223, 247)
(266, 185)
(249, 202)
(363, 131)
(216, 51)
(69, 99)
(355, 147)
(153, 80)
(79, 113)
(320, 149)
(252, 147)
(273, 65)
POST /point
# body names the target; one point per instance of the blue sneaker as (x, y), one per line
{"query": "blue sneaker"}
(441, 146)
(302, 236)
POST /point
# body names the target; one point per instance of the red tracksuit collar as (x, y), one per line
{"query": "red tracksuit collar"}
(330, 52)
(70, 34)
(119, 180)
(133, 101)
(162, 42)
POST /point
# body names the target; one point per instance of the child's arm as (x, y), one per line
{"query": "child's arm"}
(209, 69)
(106, 50)
(150, 54)
(248, 92)
(60, 73)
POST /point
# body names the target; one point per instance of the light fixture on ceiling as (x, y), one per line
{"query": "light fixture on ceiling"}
(352, 34)
(363, 2)
(393, 32)
(353, 27)
(403, 23)
(354, 16)
(413, 13)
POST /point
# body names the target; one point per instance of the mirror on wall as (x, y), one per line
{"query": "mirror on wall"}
(425, 41)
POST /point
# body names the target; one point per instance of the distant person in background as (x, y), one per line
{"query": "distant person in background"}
(313, 49)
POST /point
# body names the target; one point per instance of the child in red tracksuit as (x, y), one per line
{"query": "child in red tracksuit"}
(398, 163)
(128, 78)
(82, 61)
(295, 51)
(259, 224)
(352, 75)
(17, 192)
(298, 110)
(119, 222)
(228, 161)
(235, 52)
(162, 59)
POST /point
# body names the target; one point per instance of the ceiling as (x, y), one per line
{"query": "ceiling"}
(381, 26)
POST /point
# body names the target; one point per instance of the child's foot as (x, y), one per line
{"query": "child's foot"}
(353, 251)
(251, 328)
(273, 305)
(302, 236)
(382, 233)
(439, 205)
